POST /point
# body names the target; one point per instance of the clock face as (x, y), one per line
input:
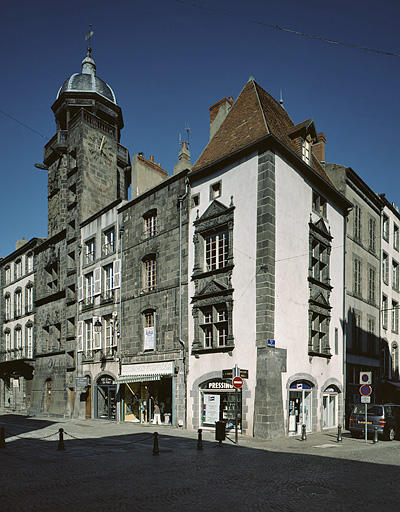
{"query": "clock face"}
(99, 148)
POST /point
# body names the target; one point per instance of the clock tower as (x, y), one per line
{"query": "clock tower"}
(87, 167)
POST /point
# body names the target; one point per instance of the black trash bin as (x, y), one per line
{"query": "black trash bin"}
(220, 430)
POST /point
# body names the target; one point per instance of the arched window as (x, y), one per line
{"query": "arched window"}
(18, 302)
(395, 361)
(7, 307)
(7, 340)
(7, 274)
(150, 223)
(29, 298)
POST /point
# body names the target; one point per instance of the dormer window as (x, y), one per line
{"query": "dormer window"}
(306, 151)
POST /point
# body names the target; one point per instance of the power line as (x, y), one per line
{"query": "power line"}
(296, 32)
(23, 124)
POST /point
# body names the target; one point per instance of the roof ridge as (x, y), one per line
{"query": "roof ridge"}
(259, 104)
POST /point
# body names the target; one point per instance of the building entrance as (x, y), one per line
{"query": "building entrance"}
(300, 407)
(329, 407)
(105, 398)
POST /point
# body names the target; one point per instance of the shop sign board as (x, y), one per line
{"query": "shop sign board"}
(271, 343)
(365, 399)
(365, 390)
(149, 338)
(237, 382)
(81, 382)
(228, 374)
(365, 377)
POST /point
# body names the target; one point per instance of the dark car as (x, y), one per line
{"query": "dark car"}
(385, 417)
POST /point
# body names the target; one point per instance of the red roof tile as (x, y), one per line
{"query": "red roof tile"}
(254, 115)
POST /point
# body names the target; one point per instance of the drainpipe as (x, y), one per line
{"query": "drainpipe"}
(115, 331)
(345, 320)
(183, 344)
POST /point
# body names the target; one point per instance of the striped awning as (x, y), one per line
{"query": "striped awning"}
(139, 378)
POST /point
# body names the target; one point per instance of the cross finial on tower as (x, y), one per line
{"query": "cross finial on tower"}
(88, 38)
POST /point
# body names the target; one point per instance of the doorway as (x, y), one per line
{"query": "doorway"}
(105, 398)
(300, 413)
(330, 407)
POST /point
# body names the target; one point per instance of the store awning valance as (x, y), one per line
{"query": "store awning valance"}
(139, 378)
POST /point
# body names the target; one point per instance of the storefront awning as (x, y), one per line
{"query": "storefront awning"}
(139, 378)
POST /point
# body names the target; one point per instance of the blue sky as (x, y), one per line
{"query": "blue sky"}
(168, 61)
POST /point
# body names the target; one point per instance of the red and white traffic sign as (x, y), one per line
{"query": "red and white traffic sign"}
(365, 390)
(237, 382)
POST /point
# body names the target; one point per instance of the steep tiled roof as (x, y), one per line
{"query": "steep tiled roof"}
(254, 115)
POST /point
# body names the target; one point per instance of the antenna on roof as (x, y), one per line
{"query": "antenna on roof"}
(281, 100)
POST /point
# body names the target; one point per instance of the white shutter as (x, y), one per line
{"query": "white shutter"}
(80, 336)
(80, 288)
(117, 273)
(96, 335)
(97, 281)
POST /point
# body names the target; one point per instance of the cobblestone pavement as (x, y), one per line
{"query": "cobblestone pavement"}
(110, 466)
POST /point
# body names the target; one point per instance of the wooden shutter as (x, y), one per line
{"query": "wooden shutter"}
(80, 288)
(97, 281)
(117, 273)
(80, 336)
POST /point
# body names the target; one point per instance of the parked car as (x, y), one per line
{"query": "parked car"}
(386, 417)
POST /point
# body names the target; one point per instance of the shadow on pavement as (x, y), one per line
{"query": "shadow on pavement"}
(121, 473)
(15, 424)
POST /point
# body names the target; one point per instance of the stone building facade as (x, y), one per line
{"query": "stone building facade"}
(87, 170)
(362, 282)
(17, 336)
(154, 302)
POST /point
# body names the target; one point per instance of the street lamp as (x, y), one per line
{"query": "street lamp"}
(97, 326)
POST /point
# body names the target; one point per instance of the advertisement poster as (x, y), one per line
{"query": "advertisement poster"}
(211, 408)
(149, 338)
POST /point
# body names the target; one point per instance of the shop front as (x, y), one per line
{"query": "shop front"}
(300, 413)
(144, 389)
(218, 403)
(105, 398)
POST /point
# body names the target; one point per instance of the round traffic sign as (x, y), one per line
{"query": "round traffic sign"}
(237, 382)
(365, 390)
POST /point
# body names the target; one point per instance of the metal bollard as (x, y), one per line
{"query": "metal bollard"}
(303, 433)
(200, 440)
(2, 438)
(61, 439)
(156, 450)
(375, 439)
(339, 434)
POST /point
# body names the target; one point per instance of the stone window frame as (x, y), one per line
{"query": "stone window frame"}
(357, 222)
(319, 204)
(7, 274)
(8, 312)
(371, 234)
(28, 309)
(18, 333)
(385, 302)
(150, 223)
(149, 273)
(18, 271)
(394, 353)
(89, 254)
(108, 246)
(357, 276)
(396, 235)
(371, 279)
(7, 331)
(29, 263)
(385, 267)
(145, 315)
(18, 308)
(395, 275)
(319, 311)
(29, 353)
(385, 227)
(395, 316)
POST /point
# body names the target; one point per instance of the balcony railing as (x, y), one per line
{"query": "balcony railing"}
(55, 146)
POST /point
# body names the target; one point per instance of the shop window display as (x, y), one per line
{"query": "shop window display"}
(218, 403)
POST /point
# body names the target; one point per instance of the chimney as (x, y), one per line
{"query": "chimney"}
(218, 113)
(20, 243)
(318, 149)
(152, 158)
